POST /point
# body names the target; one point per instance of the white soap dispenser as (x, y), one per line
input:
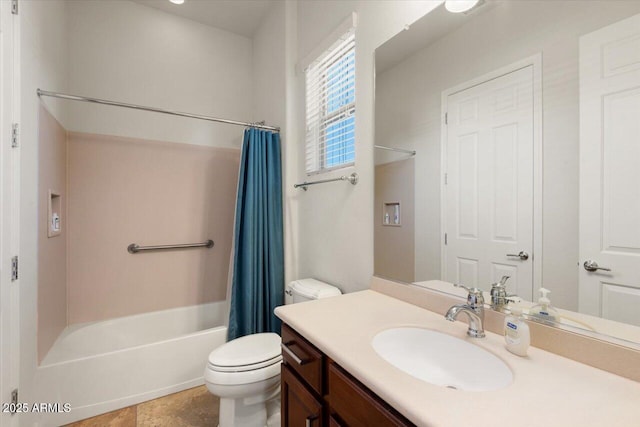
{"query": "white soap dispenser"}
(543, 310)
(516, 332)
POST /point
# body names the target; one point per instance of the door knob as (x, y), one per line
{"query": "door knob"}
(591, 265)
(522, 255)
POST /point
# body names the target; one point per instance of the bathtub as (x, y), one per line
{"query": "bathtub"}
(102, 366)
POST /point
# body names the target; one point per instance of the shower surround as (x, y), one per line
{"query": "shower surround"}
(104, 314)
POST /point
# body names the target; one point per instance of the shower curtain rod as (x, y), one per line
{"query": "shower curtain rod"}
(155, 110)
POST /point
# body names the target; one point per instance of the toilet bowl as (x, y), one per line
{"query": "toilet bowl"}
(245, 372)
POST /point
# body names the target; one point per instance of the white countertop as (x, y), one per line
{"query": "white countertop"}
(547, 390)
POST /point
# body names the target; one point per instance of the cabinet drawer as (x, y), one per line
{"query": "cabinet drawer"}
(353, 405)
(302, 357)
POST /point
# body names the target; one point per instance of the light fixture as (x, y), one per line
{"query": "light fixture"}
(177, 1)
(459, 6)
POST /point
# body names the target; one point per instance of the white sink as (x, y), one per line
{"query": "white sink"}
(441, 359)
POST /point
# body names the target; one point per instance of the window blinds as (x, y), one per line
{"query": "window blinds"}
(331, 107)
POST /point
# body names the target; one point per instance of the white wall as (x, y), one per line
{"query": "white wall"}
(273, 67)
(124, 51)
(504, 35)
(336, 220)
(43, 63)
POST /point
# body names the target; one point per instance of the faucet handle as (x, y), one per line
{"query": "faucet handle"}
(475, 298)
(501, 283)
(466, 288)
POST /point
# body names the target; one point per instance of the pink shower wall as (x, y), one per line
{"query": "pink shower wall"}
(394, 247)
(124, 191)
(52, 251)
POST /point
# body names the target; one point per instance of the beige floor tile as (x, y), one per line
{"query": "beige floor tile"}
(195, 407)
(125, 417)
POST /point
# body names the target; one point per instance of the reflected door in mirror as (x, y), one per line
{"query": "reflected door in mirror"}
(488, 192)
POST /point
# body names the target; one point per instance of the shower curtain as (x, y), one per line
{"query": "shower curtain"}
(257, 285)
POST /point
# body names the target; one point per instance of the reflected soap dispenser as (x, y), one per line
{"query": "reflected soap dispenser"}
(543, 311)
(516, 332)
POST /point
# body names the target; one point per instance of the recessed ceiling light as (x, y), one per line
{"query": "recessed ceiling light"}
(177, 1)
(458, 6)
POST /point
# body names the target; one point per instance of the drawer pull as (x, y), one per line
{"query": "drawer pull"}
(293, 355)
(310, 420)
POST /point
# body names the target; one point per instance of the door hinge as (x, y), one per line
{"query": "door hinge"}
(14, 268)
(446, 118)
(13, 408)
(445, 238)
(446, 178)
(14, 135)
(14, 7)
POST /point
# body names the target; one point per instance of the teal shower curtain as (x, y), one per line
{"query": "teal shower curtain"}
(257, 285)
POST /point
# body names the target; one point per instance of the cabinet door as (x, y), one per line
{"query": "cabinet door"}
(299, 407)
(353, 405)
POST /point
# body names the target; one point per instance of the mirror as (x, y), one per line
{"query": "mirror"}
(524, 121)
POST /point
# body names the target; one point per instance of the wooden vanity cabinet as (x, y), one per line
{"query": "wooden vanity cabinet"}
(317, 392)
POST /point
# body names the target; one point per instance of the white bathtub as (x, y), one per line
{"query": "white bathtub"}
(101, 366)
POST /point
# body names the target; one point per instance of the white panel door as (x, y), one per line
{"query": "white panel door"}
(489, 183)
(610, 171)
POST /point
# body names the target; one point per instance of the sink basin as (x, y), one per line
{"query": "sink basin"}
(441, 359)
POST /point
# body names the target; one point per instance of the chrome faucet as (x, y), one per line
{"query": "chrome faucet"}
(474, 309)
(499, 296)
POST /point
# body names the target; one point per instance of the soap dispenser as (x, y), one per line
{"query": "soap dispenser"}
(516, 332)
(543, 310)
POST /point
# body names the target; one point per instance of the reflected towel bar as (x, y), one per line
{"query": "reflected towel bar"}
(398, 150)
(134, 248)
(353, 179)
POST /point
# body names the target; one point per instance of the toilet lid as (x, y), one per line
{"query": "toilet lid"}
(257, 349)
(314, 289)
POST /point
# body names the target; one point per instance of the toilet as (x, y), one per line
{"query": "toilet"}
(245, 372)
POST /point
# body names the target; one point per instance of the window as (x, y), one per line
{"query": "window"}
(331, 107)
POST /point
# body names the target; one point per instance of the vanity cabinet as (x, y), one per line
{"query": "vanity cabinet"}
(317, 392)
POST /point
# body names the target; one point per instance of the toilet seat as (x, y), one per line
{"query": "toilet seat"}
(244, 368)
(245, 360)
(242, 377)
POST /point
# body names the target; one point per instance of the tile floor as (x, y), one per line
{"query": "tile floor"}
(194, 407)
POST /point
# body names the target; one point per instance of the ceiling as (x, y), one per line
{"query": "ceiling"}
(241, 17)
(422, 33)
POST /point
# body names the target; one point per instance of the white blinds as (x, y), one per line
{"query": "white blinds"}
(331, 107)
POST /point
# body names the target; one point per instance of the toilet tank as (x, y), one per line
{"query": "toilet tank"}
(309, 289)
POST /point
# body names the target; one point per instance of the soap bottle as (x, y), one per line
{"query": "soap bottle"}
(516, 332)
(543, 311)
(386, 218)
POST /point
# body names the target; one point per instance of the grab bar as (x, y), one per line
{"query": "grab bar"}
(134, 248)
(353, 179)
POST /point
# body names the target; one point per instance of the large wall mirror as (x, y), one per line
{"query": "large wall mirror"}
(508, 144)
